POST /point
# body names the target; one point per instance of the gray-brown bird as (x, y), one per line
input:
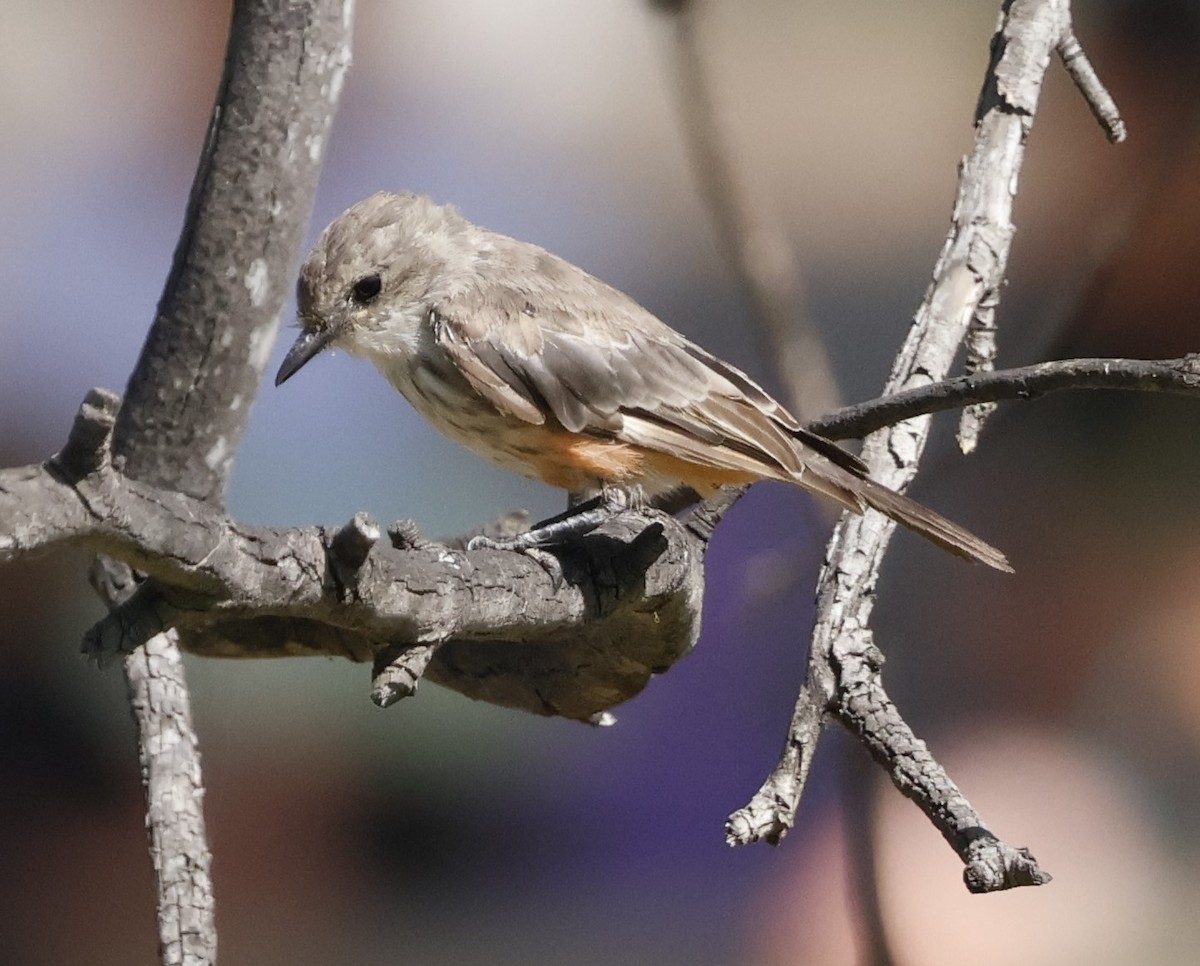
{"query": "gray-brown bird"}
(544, 369)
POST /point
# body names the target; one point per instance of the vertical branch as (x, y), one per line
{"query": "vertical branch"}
(981, 358)
(235, 262)
(187, 401)
(754, 242)
(169, 755)
(968, 274)
(981, 347)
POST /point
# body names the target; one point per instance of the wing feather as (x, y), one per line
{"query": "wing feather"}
(623, 375)
(487, 371)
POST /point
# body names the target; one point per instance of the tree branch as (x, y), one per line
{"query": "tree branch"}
(188, 397)
(1099, 100)
(1176, 376)
(865, 709)
(981, 347)
(144, 483)
(967, 277)
(205, 558)
(493, 625)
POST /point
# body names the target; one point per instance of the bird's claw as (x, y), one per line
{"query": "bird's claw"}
(519, 542)
(529, 547)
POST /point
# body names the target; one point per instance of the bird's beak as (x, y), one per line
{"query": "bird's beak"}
(307, 345)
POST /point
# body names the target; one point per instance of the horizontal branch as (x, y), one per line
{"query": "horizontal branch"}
(625, 605)
(236, 590)
(1179, 376)
(258, 591)
(1175, 376)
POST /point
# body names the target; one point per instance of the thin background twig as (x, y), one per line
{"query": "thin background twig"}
(752, 238)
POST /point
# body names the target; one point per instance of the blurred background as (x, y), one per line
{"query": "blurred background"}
(1065, 700)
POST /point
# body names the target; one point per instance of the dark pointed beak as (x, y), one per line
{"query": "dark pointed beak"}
(307, 345)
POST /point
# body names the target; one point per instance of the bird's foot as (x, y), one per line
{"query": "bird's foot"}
(544, 559)
(575, 522)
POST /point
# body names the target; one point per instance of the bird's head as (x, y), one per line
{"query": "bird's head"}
(365, 287)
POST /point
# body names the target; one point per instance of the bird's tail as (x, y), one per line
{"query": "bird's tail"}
(932, 526)
(856, 492)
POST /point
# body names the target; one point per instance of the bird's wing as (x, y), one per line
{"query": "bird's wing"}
(622, 375)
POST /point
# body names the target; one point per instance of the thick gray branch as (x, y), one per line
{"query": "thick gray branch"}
(194, 549)
(188, 398)
(506, 630)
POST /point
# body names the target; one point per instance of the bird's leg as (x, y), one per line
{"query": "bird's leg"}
(574, 522)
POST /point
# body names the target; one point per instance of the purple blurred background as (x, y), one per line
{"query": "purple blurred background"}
(1063, 700)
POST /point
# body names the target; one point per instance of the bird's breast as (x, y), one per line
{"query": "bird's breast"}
(547, 451)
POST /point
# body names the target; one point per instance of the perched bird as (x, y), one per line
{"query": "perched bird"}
(544, 369)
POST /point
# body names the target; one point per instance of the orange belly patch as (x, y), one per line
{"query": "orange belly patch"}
(577, 462)
(662, 472)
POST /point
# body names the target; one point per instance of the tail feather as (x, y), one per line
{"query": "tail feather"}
(932, 526)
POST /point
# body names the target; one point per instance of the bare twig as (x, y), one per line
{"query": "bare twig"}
(397, 672)
(865, 709)
(1176, 376)
(352, 544)
(1102, 105)
(981, 348)
(755, 243)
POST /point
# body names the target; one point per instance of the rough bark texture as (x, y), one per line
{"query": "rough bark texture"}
(844, 662)
(623, 605)
(188, 397)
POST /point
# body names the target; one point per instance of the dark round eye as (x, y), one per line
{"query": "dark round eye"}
(366, 288)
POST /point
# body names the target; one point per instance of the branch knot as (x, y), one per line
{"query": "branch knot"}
(88, 446)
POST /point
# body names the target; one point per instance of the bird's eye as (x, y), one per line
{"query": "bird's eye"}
(366, 288)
